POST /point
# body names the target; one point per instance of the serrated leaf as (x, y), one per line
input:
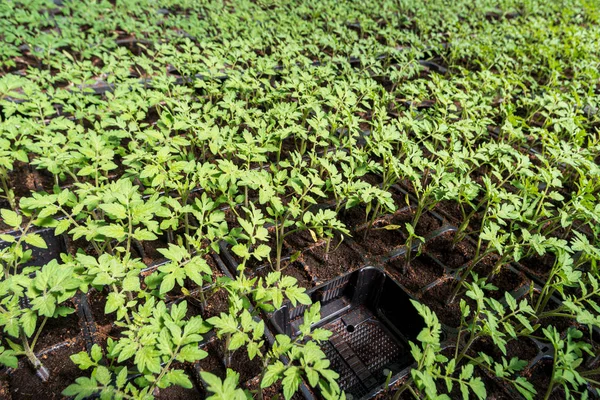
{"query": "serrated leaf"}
(11, 218)
(35, 240)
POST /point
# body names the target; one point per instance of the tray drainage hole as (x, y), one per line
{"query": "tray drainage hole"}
(544, 349)
(350, 328)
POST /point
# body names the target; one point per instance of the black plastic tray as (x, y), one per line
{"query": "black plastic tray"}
(40, 257)
(372, 321)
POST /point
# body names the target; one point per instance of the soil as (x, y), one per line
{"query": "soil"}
(150, 248)
(388, 394)
(216, 303)
(451, 210)
(178, 392)
(452, 256)
(340, 259)
(539, 376)
(58, 330)
(20, 180)
(240, 363)
(421, 272)
(523, 348)
(177, 293)
(296, 269)
(560, 323)
(539, 265)
(104, 323)
(24, 383)
(507, 280)
(380, 242)
(436, 299)
(274, 391)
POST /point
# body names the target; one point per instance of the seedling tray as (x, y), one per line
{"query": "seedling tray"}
(39, 257)
(372, 320)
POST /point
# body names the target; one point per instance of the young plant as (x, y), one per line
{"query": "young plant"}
(28, 302)
(156, 338)
(240, 327)
(291, 360)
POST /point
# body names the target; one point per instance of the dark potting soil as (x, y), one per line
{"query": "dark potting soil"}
(506, 280)
(379, 242)
(24, 383)
(191, 286)
(97, 303)
(494, 389)
(21, 180)
(539, 376)
(436, 299)
(353, 218)
(104, 323)
(58, 330)
(295, 269)
(340, 259)
(539, 265)
(239, 362)
(5, 386)
(212, 362)
(392, 391)
(451, 210)
(560, 323)
(150, 248)
(452, 256)
(179, 392)
(216, 303)
(274, 391)
(420, 272)
(523, 348)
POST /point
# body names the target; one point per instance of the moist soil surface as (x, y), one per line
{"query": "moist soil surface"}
(539, 266)
(507, 280)
(295, 269)
(452, 256)
(58, 330)
(178, 392)
(24, 383)
(240, 363)
(436, 299)
(326, 265)
(523, 348)
(421, 271)
(539, 376)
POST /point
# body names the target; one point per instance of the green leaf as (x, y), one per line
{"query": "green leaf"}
(167, 284)
(82, 388)
(131, 283)
(121, 378)
(7, 358)
(35, 240)
(148, 358)
(96, 353)
(103, 375)
(114, 210)
(178, 377)
(113, 302)
(191, 353)
(11, 218)
(273, 374)
(82, 360)
(112, 231)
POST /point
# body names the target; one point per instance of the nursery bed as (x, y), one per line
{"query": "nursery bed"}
(298, 199)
